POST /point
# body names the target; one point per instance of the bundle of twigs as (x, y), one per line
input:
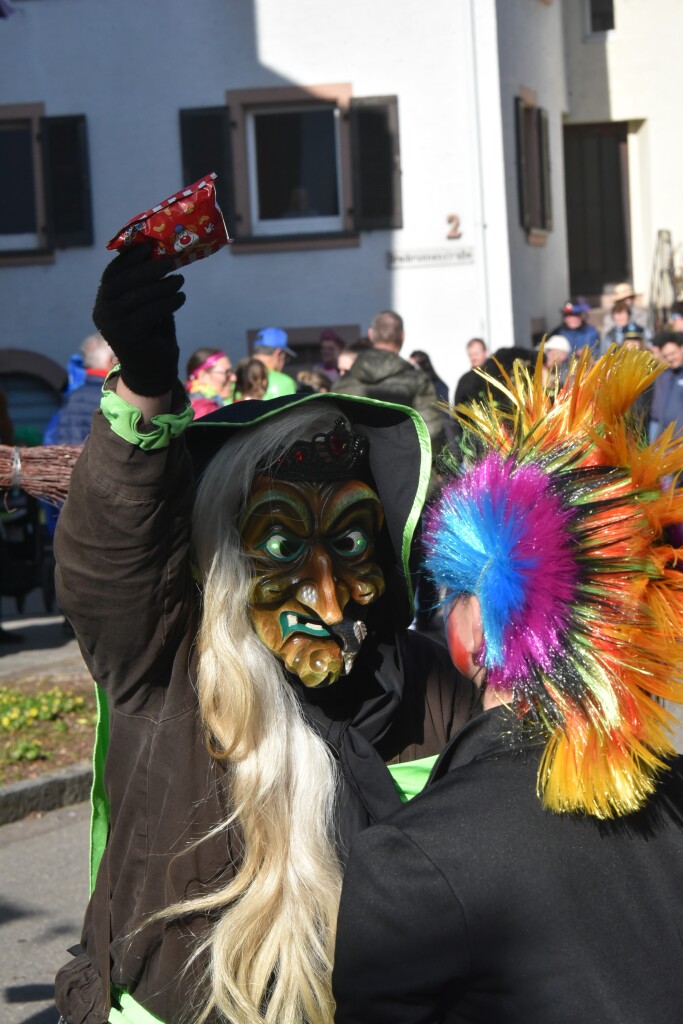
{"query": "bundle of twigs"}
(43, 471)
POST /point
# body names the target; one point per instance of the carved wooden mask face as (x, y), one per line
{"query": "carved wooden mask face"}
(312, 549)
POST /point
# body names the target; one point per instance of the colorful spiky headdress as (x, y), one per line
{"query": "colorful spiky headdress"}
(557, 521)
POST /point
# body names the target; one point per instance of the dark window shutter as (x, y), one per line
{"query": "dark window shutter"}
(601, 15)
(544, 156)
(522, 175)
(68, 207)
(206, 146)
(376, 163)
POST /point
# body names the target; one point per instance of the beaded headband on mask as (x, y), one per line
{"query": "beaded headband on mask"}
(336, 455)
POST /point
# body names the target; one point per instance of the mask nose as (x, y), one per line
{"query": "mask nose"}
(320, 592)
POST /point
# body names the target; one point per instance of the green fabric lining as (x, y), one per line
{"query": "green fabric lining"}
(425, 443)
(124, 420)
(130, 1012)
(99, 801)
(410, 777)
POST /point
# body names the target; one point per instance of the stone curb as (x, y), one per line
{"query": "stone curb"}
(50, 791)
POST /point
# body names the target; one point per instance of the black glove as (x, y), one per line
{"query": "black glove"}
(134, 311)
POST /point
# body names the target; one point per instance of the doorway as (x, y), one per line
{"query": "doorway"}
(596, 187)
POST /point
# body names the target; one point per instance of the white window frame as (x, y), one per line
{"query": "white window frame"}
(240, 103)
(291, 225)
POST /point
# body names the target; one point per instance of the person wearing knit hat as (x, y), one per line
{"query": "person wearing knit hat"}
(539, 876)
(556, 353)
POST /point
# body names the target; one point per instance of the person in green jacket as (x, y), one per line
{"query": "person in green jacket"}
(271, 349)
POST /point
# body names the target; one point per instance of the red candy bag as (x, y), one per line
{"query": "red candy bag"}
(188, 226)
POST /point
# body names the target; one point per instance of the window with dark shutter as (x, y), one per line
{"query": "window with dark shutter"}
(522, 176)
(66, 171)
(311, 165)
(544, 155)
(206, 146)
(18, 213)
(533, 168)
(601, 15)
(376, 163)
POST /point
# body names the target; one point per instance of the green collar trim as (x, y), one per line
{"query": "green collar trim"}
(410, 777)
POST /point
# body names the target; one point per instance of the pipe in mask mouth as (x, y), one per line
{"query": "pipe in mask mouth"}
(351, 635)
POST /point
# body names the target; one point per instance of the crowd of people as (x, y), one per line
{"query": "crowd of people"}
(212, 382)
(308, 810)
(625, 325)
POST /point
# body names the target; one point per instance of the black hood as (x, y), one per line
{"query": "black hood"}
(399, 452)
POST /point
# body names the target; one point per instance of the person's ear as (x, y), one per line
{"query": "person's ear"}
(465, 635)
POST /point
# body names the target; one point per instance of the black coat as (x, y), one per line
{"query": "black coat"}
(478, 906)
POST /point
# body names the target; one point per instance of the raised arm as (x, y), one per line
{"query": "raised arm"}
(123, 574)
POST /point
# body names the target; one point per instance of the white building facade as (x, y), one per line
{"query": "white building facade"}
(402, 191)
(622, 140)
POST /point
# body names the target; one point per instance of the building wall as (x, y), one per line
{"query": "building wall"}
(632, 74)
(531, 58)
(130, 67)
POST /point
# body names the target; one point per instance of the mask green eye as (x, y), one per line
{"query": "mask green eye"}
(282, 548)
(351, 544)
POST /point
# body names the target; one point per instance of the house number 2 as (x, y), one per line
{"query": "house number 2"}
(454, 230)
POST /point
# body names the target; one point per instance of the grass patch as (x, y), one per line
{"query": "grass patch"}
(45, 725)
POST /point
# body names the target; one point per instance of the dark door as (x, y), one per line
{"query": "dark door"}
(596, 185)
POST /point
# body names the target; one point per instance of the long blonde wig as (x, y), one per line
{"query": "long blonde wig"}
(269, 952)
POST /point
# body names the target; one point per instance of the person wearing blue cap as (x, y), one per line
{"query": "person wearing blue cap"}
(575, 329)
(271, 349)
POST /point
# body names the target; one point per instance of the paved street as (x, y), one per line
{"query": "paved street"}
(43, 860)
(43, 892)
(45, 647)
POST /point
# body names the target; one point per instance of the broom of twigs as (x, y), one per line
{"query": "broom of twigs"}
(42, 471)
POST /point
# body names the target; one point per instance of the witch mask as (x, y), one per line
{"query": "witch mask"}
(312, 550)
